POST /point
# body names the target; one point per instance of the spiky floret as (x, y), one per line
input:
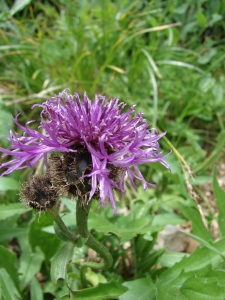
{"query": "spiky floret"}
(113, 139)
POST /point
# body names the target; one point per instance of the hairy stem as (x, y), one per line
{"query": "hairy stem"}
(55, 216)
(92, 242)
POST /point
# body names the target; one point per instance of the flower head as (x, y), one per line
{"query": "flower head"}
(40, 194)
(99, 144)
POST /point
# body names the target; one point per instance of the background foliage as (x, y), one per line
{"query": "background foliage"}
(167, 57)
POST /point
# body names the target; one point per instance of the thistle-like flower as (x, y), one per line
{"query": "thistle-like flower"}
(39, 194)
(95, 144)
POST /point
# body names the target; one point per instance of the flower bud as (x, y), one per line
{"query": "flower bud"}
(39, 193)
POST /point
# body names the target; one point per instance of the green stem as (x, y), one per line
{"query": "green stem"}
(134, 257)
(92, 242)
(84, 282)
(55, 216)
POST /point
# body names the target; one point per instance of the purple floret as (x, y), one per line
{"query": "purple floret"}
(113, 137)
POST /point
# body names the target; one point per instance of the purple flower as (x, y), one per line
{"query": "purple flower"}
(115, 140)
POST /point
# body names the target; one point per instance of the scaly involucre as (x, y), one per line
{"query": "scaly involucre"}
(114, 139)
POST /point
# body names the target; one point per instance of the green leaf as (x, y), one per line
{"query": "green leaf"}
(199, 259)
(148, 260)
(18, 5)
(214, 156)
(30, 264)
(203, 243)
(7, 233)
(8, 262)
(215, 18)
(8, 290)
(206, 58)
(7, 183)
(50, 288)
(94, 278)
(11, 209)
(182, 8)
(168, 259)
(58, 232)
(110, 290)
(60, 262)
(71, 205)
(199, 180)
(192, 214)
(220, 200)
(201, 289)
(172, 293)
(217, 274)
(197, 264)
(81, 242)
(165, 219)
(36, 290)
(37, 237)
(125, 228)
(172, 290)
(218, 93)
(139, 289)
(201, 18)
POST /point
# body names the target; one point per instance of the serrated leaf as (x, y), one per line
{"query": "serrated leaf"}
(60, 262)
(172, 290)
(198, 263)
(220, 200)
(199, 259)
(8, 289)
(110, 290)
(125, 228)
(172, 293)
(36, 290)
(11, 210)
(139, 289)
(100, 223)
(201, 289)
(218, 276)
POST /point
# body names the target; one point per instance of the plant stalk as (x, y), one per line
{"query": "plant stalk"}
(55, 216)
(82, 218)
